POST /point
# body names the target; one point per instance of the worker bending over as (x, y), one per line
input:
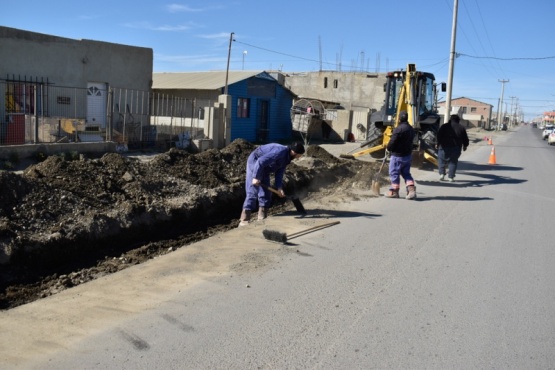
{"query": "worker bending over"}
(262, 162)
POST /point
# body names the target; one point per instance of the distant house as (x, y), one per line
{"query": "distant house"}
(260, 106)
(548, 117)
(473, 112)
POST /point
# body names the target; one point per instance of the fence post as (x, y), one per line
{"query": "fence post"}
(36, 128)
(109, 112)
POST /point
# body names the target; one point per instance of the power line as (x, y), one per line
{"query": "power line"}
(479, 11)
(276, 52)
(478, 37)
(496, 58)
(337, 65)
(285, 54)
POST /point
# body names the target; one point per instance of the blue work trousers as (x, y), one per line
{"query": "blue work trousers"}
(400, 167)
(256, 194)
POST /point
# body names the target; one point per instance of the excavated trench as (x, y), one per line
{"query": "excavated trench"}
(65, 222)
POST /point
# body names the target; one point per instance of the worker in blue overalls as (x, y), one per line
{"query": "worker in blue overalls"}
(262, 162)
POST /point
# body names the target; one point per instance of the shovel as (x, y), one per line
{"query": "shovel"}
(296, 201)
(375, 181)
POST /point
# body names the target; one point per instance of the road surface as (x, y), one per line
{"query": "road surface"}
(461, 278)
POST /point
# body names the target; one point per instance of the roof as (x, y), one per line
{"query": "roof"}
(199, 80)
(464, 97)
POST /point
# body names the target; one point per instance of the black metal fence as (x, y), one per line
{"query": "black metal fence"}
(34, 112)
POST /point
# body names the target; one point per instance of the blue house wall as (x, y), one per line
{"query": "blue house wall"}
(279, 101)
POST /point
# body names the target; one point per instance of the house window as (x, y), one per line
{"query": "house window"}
(325, 82)
(335, 84)
(473, 110)
(243, 107)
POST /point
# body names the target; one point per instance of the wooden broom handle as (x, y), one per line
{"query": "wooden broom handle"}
(310, 229)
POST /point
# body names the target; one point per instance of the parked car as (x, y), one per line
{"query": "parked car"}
(547, 130)
(551, 138)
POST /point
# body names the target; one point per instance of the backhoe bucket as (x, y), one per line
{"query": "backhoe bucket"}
(430, 158)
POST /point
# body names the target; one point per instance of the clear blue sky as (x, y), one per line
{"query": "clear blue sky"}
(496, 40)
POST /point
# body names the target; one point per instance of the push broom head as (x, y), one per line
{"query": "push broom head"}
(275, 235)
(280, 237)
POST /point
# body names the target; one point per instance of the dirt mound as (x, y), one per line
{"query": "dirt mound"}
(66, 221)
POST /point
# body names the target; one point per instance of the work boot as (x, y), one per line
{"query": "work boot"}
(245, 217)
(411, 192)
(262, 213)
(392, 193)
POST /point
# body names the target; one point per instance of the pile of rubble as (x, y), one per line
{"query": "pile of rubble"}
(64, 222)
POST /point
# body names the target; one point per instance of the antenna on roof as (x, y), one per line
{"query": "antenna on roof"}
(320, 51)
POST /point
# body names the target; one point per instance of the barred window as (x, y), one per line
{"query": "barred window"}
(20, 98)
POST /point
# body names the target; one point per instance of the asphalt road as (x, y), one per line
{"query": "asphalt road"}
(461, 278)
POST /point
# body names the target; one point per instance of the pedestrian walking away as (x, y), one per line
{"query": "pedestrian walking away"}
(262, 162)
(400, 148)
(452, 140)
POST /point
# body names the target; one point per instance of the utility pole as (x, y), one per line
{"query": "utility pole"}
(451, 64)
(500, 107)
(512, 118)
(228, 56)
(517, 113)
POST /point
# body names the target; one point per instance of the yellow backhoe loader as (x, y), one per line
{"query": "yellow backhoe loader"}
(416, 93)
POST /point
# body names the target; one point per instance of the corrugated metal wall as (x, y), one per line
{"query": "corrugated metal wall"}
(279, 120)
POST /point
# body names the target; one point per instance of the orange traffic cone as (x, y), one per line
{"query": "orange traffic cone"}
(492, 156)
(490, 142)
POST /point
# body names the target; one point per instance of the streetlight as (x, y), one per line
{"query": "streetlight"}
(244, 53)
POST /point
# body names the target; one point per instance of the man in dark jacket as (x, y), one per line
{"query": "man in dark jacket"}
(451, 138)
(265, 160)
(400, 146)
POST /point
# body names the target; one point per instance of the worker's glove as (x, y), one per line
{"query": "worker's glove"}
(281, 193)
(255, 182)
(464, 148)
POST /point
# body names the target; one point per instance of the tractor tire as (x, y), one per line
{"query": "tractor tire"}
(374, 138)
(374, 133)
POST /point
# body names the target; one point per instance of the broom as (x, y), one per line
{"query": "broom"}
(375, 181)
(281, 237)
